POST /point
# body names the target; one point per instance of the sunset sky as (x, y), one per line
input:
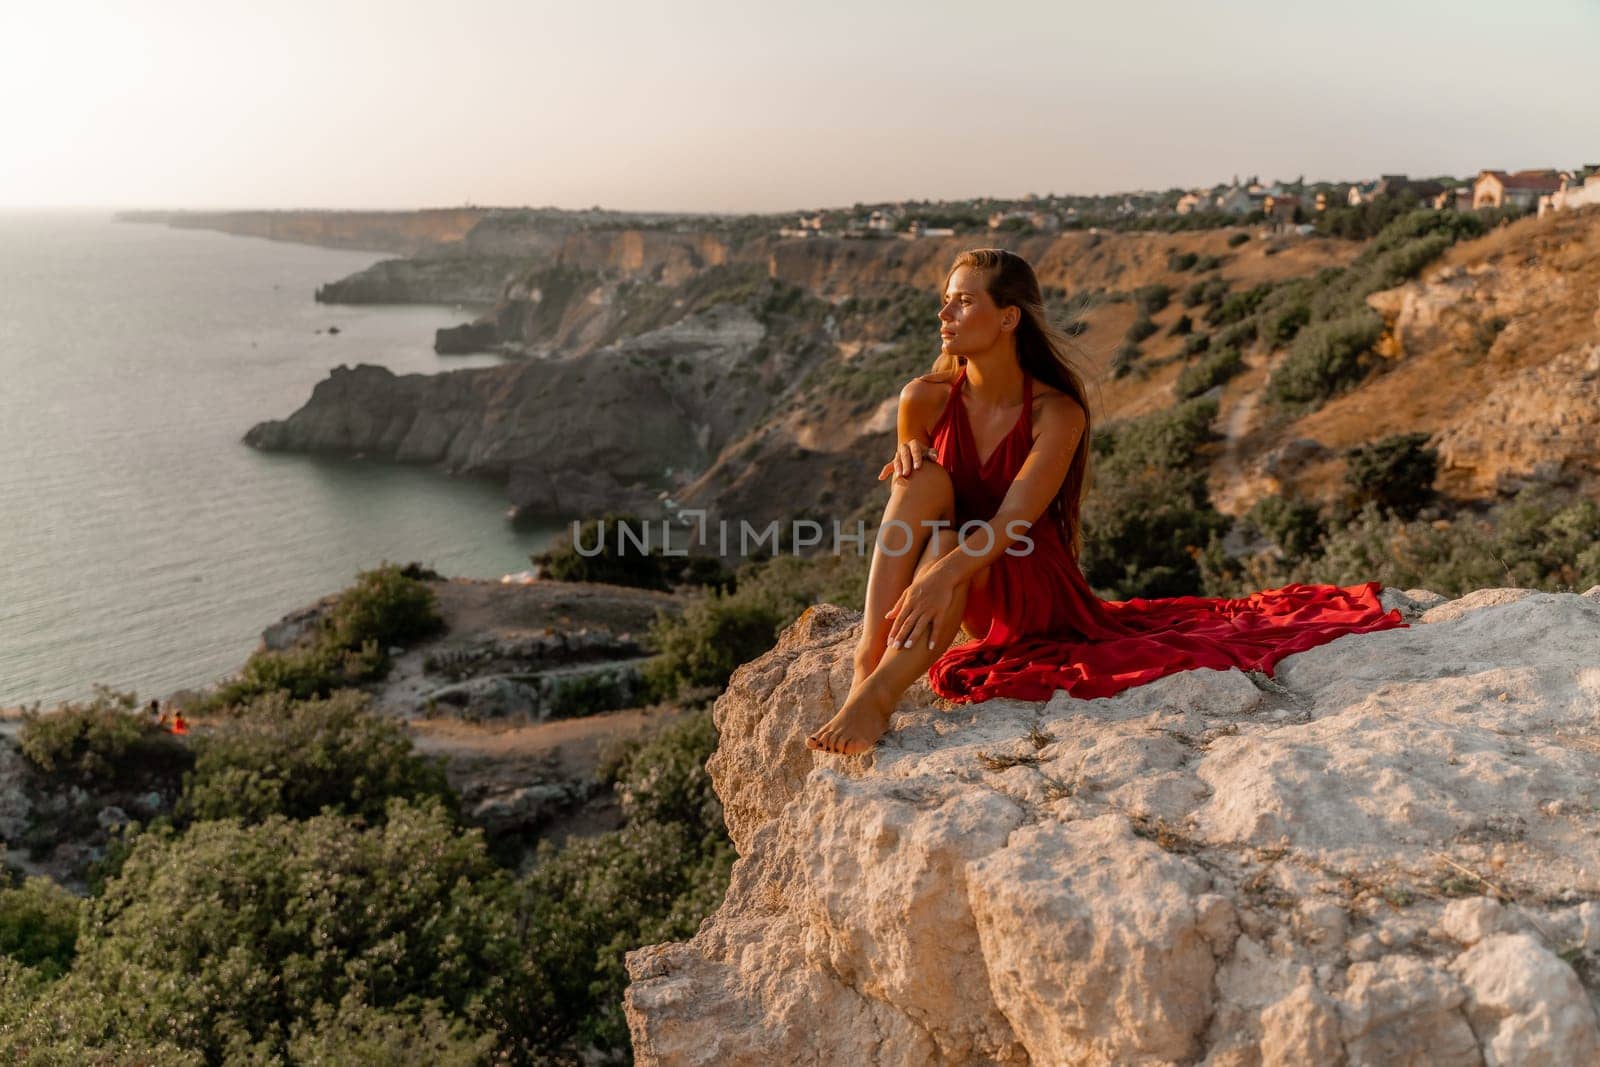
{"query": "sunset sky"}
(741, 106)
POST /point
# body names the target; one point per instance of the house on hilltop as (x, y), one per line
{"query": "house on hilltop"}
(1237, 201)
(1576, 190)
(1496, 188)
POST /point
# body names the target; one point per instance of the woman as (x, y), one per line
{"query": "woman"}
(982, 530)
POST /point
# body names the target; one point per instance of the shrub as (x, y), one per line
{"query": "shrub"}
(578, 913)
(1182, 328)
(39, 926)
(714, 635)
(1236, 335)
(1123, 359)
(1150, 299)
(719, 631)
(1181, 261)
(1240, 306)
(1293, 526)
(1207, 263)
(299, 758)
(222, 939)
(1279, 323)
(384, 607)
(104, 740)
(1142, 529)
(1325, 357)
(1165, 439)
(1215, 369)
(1140, 329)
(1147, 512)
(663, 777)
(1395, 473)
(590, 901)
(1237, 239)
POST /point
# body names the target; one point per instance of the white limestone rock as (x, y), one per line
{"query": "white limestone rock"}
(1390, 855)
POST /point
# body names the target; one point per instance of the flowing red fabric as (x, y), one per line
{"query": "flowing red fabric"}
(1044, 629)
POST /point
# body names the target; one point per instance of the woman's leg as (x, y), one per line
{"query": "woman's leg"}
(866, 711)
(926, 495)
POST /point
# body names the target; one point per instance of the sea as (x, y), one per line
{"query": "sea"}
(143, 545)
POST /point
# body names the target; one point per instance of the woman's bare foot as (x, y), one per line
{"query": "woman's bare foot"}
(856, 727)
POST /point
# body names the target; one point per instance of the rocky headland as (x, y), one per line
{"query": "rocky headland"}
(1388, 853)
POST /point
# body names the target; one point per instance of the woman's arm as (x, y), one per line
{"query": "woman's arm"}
(919, 409)
(924, 601)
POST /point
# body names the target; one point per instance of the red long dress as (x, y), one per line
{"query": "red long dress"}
(1043, 628)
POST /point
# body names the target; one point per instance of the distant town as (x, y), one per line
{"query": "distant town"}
(1284, 206)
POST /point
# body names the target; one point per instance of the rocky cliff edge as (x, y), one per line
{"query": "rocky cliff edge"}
(1389, 853)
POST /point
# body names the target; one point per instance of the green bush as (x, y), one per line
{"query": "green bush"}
(1142, 529)
(1123, 359)
(383, 606)
(1196, 343)
(48, 1023)
(1541, 539)
(221, 940)
(715, 634)
(1293, 526)
(355, 1032)
(579, 912)
(1235, 335)
(1150, 299)
(39, 926)
(1165, 439)
(386, 606)
(1147, 513)
(1215, 369)
(1237, 239)
(105, 740)
(1181, 261)
(298, 758)
(591, 900)
(1240, 306)
(1140, 329)
(1279, 323)
(1325, 357)
(664, 779)
(1396, 473)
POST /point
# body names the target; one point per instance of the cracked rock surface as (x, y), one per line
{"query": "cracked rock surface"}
(1388, 853)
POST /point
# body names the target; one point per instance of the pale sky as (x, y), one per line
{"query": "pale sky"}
(759, 105)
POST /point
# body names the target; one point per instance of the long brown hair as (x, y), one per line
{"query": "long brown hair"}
(1045, 354)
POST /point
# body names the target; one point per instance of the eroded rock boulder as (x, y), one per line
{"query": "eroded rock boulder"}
(1390, 853)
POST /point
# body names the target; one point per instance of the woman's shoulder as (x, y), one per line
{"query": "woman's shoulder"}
(1047, 395)
(935, 384)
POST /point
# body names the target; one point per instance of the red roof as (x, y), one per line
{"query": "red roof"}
(1540, 181)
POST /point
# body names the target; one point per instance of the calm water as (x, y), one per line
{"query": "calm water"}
(141, 543)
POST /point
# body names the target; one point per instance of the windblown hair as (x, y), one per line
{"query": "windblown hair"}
(1045, 354)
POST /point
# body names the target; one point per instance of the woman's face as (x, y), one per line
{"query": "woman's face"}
(969, 321)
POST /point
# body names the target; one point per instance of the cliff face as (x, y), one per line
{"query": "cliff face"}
(1388, 855)
(569, 437)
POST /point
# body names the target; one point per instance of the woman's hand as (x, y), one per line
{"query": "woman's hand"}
(907, 458)
(919, 610)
